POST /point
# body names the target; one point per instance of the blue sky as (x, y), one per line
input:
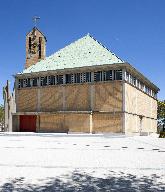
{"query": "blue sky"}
(133, 29)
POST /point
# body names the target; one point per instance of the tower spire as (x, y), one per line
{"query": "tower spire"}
(35, 45)
(35, 19)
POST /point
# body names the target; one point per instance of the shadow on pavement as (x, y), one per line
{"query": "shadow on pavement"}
(81, 182)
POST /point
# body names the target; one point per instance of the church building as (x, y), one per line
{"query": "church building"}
(84, 88)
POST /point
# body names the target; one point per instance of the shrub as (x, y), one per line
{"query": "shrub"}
(162, 134)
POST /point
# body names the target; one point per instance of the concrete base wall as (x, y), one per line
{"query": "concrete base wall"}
(140, 111)
(134, 124)
(107, 122)
(65, 123)
(137, 102)
(76, 122)
(15, 123)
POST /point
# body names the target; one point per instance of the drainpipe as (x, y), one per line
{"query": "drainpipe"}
(91, 123)
(141, 118)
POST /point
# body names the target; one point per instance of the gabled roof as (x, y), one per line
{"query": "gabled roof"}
(35, 28)
(84, 52)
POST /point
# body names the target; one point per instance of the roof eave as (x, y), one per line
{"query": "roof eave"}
(124, 65)
(84, 68)
(136, 72)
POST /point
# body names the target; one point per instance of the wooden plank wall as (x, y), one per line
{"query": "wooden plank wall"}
(107, 122)
(76, 97)
(132, 123)
(100, 97)
(51, 98)
(138, 103)
(108, 97)
(26, 100)
(81, 123)
(64, 122)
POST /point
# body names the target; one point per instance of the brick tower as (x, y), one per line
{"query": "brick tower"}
(35, 47)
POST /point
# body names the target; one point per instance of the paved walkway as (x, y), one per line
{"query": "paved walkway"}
(61, 162)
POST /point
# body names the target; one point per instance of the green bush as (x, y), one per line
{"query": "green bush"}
(162, 134)
(1, 114)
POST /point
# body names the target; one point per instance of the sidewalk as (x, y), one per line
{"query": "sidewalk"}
(61, 162)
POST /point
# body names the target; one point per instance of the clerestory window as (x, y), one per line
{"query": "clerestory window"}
(118, 74)
(59, 79)
(98, 76)
(108, 75)
(43, 81)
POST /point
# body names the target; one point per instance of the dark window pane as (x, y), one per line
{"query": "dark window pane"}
(134, 81)
(88, 76)
(59, 79)
(28, 83)
(68, 78)
(43, 81)
(39, 47)
(21, 82)
(20, 85)
(118, 74)
(77, 78)
(34, 82)
(30, 44)
(98, 76)
(51, 80)
(108, 75)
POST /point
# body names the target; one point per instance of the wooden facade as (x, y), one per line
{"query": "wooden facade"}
(140, 111)
(113, 106)
(83, 87)
(76, 97)
(72, 107)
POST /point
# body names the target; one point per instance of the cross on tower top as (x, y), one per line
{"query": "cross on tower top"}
(35, 19)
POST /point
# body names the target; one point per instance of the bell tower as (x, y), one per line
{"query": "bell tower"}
(35, 47)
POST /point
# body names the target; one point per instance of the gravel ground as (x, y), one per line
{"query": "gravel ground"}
(70, 163)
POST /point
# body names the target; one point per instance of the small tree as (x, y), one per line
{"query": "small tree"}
(1, 116)
(161, 113)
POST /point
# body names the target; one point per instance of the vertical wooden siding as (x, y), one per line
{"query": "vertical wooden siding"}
(26, 100)
(64, 123)
(138, 103)
(107, 123)
(80, 97)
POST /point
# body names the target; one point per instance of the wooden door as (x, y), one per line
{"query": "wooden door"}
(28, 123)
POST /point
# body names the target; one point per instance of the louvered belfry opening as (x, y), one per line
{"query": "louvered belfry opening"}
(35, 47)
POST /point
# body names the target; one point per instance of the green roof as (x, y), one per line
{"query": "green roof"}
(84, 52)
